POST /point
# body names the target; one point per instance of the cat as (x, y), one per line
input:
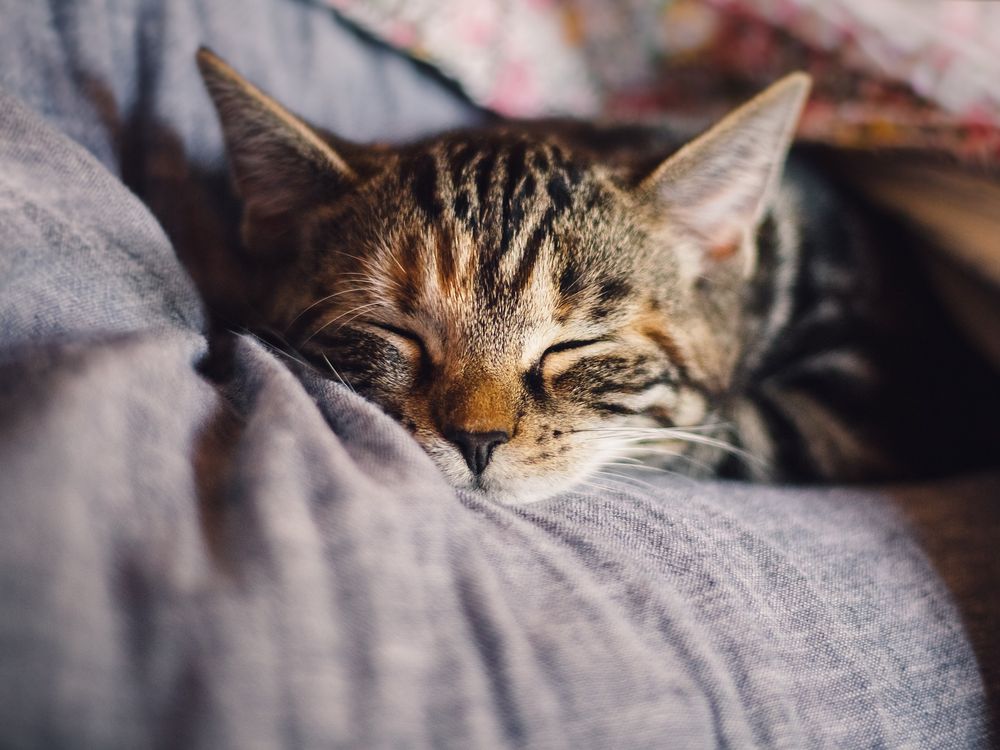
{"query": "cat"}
(536, 301)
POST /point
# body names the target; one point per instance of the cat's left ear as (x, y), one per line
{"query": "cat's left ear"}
(279, 162)
(718, 187)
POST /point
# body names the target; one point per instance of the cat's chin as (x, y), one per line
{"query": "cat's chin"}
(521, 491)
(512, 496)
(509, 482)
(500, 484)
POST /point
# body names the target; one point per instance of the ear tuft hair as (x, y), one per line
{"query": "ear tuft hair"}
(279, 163)
(718, 187)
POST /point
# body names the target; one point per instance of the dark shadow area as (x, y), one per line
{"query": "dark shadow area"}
(958, 525)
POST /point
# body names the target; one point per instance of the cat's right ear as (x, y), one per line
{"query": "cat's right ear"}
(279, 163)
(719, 186)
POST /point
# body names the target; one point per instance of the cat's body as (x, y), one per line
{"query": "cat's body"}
(532, 301)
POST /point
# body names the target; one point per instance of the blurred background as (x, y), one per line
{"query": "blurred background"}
(887, 72)
(906, 92)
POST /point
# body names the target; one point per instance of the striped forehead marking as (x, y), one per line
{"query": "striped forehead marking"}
(507, 192)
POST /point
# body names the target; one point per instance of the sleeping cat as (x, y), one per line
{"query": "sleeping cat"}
(534, 301)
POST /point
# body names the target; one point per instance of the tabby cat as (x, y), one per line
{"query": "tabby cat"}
(533, 301)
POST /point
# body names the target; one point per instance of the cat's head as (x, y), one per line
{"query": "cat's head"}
(524, 306)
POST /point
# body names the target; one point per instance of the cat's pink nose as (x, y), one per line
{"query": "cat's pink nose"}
(477, 447)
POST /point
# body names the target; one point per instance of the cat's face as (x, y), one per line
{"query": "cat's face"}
(522, 306)
(505, 302)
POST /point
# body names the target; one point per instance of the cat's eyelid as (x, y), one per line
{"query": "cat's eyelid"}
(571, 344)
(403, 333)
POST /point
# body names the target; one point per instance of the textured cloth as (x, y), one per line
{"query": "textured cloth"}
(887, 74)
(272, 562)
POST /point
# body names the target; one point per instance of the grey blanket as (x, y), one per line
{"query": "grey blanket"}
(270, 562)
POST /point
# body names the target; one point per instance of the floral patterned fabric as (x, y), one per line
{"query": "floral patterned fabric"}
(889, 73)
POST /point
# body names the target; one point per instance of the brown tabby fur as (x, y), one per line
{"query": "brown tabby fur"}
(527, 307)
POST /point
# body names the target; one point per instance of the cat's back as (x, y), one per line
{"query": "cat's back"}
(855, 371)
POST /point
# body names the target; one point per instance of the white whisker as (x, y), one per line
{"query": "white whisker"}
(678, 455)
(355, 312)
(626, 478)
(280, 352)
(655, 434)
(339, 376)
(594, 485)
(321, 300)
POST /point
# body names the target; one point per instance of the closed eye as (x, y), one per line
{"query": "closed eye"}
(565, 346)
(403, 333)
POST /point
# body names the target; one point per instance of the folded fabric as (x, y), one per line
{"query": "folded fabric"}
(269, 561)
(888, 74)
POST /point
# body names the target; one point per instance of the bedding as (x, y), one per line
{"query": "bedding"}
(886, 74)
(259, 558)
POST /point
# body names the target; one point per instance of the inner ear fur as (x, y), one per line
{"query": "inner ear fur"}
(279, 163)
(718, 187)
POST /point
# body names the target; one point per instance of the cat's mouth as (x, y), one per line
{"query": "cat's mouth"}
(512, 483)
(487, 485)
(502, 481)
(516, 474)
(505, 480)
(509, 495)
